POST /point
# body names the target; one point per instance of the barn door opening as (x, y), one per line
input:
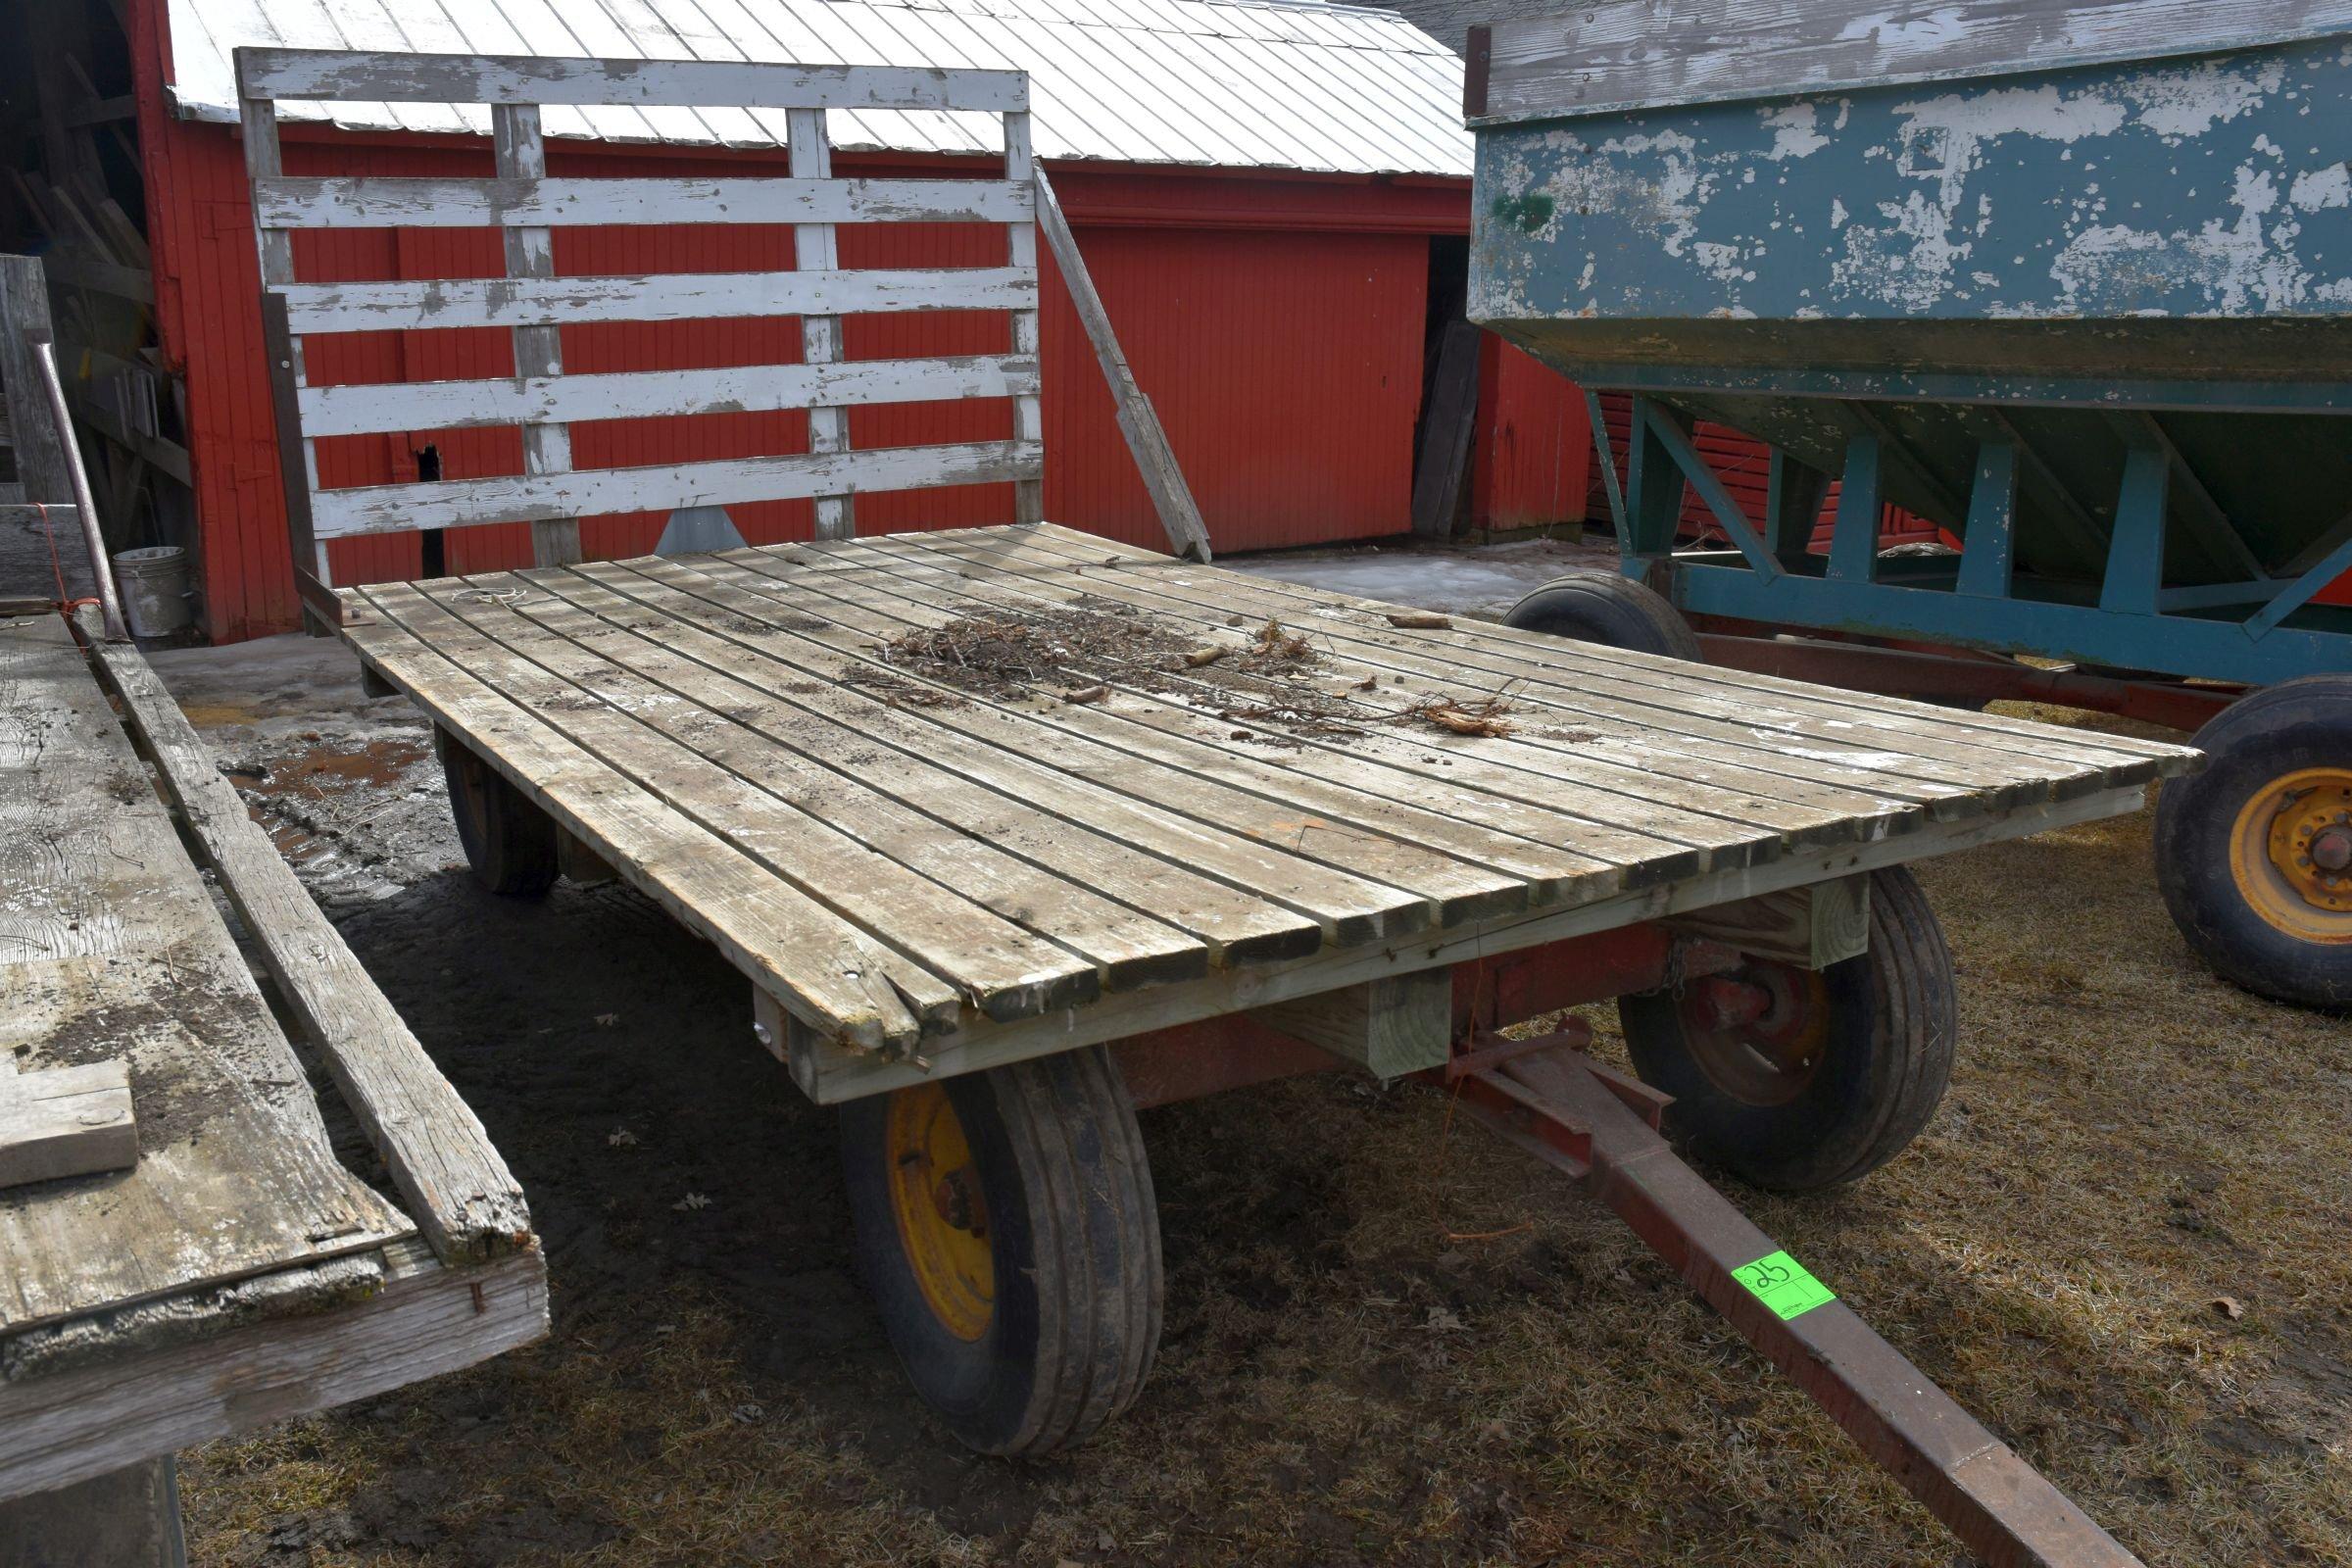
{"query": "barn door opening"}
(1449, 395)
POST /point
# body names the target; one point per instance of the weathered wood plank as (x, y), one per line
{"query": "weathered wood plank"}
(1609, 56)
(441, 1160)
(405, 306)
(1811, 927)
(369, 407)
(67, 1121)
(111, 947)
(189, 1370)
(363, 77)
(1392, 1026)
(837, 979)
(530, 252)
(594, 492)
(308, 201)
(1020, 250)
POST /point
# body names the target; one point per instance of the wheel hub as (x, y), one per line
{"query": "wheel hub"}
(2290, 853)
(1758, 1033)
(942, 1211)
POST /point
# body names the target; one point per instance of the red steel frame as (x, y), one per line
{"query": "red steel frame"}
(1603, 1129)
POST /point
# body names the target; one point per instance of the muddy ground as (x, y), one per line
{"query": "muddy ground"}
(2123, 1243)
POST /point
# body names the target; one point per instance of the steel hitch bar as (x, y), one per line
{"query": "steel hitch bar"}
(1602, 1128)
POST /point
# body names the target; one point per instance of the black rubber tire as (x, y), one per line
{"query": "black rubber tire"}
(2306, 722)
(510, 841)
(1608, 609)
(1887, 1057)
(1074, 1237)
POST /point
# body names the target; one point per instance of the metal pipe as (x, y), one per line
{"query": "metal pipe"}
(101, 571)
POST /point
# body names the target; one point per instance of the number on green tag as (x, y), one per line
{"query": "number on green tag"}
(1784, 1285)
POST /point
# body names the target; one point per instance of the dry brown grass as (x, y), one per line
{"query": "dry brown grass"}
(1344, 1380)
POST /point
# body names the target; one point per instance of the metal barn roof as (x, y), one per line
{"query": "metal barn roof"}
(1238, 83)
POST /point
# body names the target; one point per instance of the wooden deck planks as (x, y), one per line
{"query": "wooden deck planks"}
(1019, 847)
(111, 947)
(1468, 871)
(834, 977)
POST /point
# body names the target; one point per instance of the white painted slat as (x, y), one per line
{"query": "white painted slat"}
(660, 297)
(814, 248)
(1020, 241)
(489, 79)
(309, 202)
(598, 492)
(367, 408)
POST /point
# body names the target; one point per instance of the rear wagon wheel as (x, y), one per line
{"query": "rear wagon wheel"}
(1608, 609)
(1797, 1079)
(510, 841)
(1007, 1231)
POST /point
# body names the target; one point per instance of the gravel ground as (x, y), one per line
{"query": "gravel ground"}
(2122, 1242)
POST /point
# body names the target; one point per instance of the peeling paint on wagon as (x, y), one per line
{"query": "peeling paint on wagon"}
(2203, 189)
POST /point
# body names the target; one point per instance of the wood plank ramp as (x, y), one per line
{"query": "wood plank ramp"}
(1157, 786)
(111, 947)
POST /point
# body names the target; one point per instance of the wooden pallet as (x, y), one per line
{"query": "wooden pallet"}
(926, 876)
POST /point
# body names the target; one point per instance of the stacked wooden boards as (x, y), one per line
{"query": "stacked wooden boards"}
(1169, 794)
(237, 1273)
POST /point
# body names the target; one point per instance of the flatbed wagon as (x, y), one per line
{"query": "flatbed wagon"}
(1012, 830)
(2071, 279)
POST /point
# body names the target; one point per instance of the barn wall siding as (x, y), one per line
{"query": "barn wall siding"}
(1276, 322)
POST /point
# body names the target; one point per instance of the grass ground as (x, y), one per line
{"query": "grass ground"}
(2124, 1243)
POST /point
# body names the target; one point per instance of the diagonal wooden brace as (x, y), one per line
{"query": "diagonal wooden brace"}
(1573, 1114)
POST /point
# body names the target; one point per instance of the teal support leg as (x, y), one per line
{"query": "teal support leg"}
(1854, 536)
(1989, 548)
(2135, 551)
(1667, 427)
(1792, 506)
(1654, 491)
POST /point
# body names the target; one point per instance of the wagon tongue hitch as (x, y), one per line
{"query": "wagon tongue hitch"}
(1601, 1127)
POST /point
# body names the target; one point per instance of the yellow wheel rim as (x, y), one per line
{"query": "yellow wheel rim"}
(943, 1218)
(2290, 853)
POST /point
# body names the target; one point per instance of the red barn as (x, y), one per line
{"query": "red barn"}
(1272, 196)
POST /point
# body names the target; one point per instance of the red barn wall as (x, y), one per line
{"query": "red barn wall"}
(1531, 460)
(1276, 322)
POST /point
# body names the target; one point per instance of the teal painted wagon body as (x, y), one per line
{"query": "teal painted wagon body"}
(2074, 281)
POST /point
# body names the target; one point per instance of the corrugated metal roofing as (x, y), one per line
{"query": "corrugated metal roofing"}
(1238, 83)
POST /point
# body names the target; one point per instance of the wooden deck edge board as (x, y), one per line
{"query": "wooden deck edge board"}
(441, 1159)
(426, 1319)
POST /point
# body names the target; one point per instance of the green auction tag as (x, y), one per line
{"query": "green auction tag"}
(1784, 1285)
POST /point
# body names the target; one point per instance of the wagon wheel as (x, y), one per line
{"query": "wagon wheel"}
(1605, 607)
(510, 841)
(2254, 853)
(1800, 1078)
(1006, 1229)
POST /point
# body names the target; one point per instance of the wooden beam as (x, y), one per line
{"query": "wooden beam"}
(1442, 466)
(530, 252)
(455, 1185)
(1147, 440)
(1811, 927)
(1390, 1027)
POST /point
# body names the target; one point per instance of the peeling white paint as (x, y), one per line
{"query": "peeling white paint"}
(2317, 189)
(1795, 131)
